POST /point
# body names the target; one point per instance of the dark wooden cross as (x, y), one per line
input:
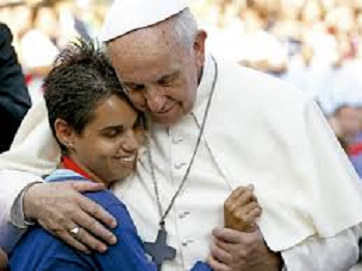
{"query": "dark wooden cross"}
(159, 250)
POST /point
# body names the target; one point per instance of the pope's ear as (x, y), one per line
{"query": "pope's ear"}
(199, 47)
(64, 132)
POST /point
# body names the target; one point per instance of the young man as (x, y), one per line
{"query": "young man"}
(215, 126)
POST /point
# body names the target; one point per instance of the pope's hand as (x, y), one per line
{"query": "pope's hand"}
(3, 260)
(60, 208)
(242, 251)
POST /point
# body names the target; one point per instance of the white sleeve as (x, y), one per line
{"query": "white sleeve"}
(12, 183)
(33, 154)
(34, 148)
(338, 253)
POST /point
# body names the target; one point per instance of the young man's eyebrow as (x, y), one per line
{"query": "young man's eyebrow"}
(112, 127)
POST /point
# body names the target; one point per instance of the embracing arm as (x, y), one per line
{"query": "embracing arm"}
(340, 252)
(248, 251)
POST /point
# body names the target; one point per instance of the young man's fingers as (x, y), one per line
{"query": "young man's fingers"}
(244, 210)
(244, 199)
(232, 200)
(73, 242)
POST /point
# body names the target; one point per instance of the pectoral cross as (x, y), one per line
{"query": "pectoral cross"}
(159, 250)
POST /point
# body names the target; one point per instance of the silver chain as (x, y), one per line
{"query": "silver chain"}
(153, 175)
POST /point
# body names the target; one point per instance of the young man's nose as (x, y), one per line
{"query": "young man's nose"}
(131, 144)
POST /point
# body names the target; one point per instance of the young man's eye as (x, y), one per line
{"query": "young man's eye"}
(112, 133)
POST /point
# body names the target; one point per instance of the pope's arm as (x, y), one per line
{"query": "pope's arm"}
(58, 207)
(334, 186)
(340, 252)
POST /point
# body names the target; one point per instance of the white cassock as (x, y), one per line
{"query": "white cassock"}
(259, 130)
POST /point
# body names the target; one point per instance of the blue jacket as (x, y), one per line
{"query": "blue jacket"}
(39, 250)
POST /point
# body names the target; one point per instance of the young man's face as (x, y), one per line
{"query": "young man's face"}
(161, 75)
(108, 145)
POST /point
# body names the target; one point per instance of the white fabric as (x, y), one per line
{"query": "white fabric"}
(339, 253)
(125, 16)
(260, 131)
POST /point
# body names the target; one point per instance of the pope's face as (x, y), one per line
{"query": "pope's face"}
(108, 145)
(160, 74)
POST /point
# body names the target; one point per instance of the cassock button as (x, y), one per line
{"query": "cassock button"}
(176, 140)
(183, 215)
(186, 243)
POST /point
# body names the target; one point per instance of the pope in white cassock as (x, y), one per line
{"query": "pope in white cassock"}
(215, 126)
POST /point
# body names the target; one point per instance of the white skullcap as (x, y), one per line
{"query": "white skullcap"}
(125, 16)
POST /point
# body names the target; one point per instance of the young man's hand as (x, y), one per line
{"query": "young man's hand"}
(241, 209)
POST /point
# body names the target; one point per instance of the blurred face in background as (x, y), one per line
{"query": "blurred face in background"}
(312, 12)
(46, 21)
(348, 119)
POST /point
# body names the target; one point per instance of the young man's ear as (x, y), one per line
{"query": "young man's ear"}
(199, 47)
(64, 133)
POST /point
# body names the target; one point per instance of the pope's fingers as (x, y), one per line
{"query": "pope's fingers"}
(73, 242)
(81, 235)
(228, 235)
(86, 186)
(224, 245)
(217, 266)
(91, 217)
(96, 211)
(63, 233)
(220, 253)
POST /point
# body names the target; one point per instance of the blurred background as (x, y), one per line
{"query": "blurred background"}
(314, 44)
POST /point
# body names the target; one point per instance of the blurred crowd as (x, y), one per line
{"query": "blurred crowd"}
(314, 44)
(42, 28)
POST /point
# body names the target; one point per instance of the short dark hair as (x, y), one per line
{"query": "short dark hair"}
(82, 78)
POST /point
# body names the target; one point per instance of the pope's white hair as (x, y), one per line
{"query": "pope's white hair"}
(185, 27)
